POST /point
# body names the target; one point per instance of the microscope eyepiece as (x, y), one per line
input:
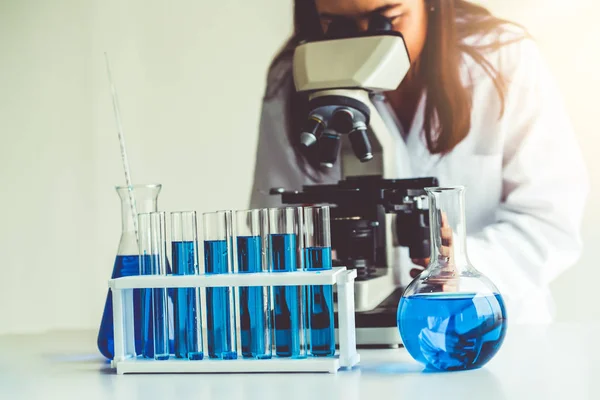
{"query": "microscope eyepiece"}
(378, 23)
(314, 128)
(360, 142)
(329, 148)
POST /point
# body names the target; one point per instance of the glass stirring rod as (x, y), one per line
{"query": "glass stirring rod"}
(115, 101)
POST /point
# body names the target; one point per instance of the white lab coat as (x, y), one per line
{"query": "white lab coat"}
(525, 179)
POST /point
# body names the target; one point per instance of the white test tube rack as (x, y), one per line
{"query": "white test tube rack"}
(125, 360)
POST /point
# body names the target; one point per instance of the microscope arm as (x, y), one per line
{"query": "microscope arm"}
(396, 164)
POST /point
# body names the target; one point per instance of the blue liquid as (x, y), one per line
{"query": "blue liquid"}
(188, 334)
(452, 331)
(288, 299)
(221, 339)
(147, 316)
(161, 324)
(322, 333)
(155, 323)
(124, 266)
(254, 324)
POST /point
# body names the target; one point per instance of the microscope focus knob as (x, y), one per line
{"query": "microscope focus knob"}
(342, 120)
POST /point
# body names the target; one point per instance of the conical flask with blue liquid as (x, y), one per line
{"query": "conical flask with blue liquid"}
(127, 262)
(451, 317)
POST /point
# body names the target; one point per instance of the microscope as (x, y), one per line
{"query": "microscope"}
(377, 213)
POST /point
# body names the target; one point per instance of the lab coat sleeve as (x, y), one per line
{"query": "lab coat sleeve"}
(277, 164)
(536, 235)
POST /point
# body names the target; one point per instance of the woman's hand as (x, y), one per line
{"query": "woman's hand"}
(422, 263)
(447, 249)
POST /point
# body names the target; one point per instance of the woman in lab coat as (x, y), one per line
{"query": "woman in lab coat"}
(478, 109)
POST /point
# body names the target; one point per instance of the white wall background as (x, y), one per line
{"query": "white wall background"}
(190, 76)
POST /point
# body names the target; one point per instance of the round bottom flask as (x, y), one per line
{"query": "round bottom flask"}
(451, 317)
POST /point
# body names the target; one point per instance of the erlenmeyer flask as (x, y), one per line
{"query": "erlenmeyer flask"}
(127, 263)
(451, 317)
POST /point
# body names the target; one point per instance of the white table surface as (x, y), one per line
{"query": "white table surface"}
(536, 362)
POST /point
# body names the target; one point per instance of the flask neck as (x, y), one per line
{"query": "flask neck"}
(145, 199)
(448, 228)
(127, 218)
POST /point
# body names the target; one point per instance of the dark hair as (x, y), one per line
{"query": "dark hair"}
(447, 119)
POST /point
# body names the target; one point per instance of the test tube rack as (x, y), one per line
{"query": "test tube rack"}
(125, 360)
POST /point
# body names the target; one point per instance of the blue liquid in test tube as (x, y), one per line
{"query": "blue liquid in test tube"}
(322, 334)
(254, 327)
(288, 299)
(153, 261)
(155, 333)
(218, 318)
(188, 335)
(161, 324)
(147, 321)
(144, 312)
(317, 257)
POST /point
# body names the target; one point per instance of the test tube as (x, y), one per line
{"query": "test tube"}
(153, 261)
(145, 260)
(188, 315)
(317, 257)
(220, 301)
(285, 256)
(255, 302)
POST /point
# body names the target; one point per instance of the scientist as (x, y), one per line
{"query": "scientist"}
(478, 108)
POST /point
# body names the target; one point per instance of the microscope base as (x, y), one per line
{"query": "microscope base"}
(371, 293)
(378, 338)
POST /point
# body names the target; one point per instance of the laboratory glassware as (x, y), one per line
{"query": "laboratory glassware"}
(153, 261)
(254, 302)
(187, 305)
(126, 262)
(451, 317)
(220, 301)
(285, 255)
(317, 257)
